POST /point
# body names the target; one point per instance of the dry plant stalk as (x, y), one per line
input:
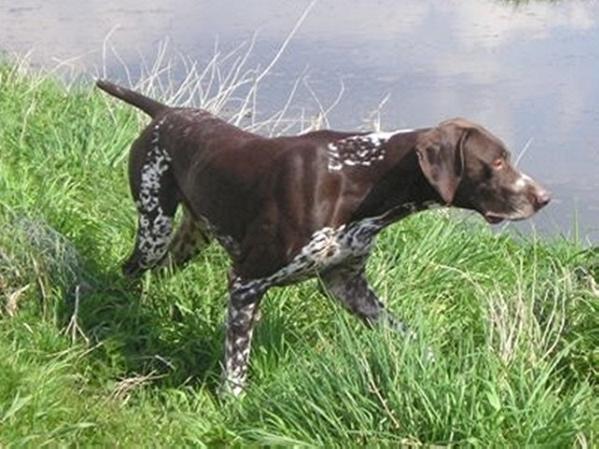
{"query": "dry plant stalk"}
(73, 329)
(12, 303)
(123, 389)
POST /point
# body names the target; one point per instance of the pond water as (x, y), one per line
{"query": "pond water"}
(529, 71)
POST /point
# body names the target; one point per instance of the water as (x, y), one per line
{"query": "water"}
(528, 71)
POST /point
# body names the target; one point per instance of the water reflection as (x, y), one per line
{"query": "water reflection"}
(527, 71)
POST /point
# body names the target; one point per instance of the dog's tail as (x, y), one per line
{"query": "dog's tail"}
(149, 106)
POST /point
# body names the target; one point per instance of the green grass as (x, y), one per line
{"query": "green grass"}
(88, 360)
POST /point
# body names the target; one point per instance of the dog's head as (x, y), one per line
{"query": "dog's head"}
(470, 168)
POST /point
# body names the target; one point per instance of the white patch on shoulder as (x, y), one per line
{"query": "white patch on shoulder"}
(359, 150)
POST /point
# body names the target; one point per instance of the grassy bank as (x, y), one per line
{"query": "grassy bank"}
(87, 360)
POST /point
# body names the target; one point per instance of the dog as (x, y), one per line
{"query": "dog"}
(287, 209)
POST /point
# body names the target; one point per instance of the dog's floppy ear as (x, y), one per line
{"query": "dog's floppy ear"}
(441, 156)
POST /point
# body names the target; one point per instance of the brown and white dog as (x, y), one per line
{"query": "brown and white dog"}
(289, 208)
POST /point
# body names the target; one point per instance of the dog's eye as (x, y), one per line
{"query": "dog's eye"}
(498, 164)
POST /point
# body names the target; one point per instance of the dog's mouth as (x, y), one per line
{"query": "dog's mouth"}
(493, 218)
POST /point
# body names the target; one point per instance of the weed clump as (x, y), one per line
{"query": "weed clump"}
(35, 259)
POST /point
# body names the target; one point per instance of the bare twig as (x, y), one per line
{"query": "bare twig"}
(524, 150)
(73, 329)
(123, 389)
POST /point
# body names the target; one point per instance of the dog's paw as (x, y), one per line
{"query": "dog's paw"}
(230, 390)
(132, 269)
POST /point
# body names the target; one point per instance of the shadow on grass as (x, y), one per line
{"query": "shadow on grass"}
(176, 337)
(138, 333)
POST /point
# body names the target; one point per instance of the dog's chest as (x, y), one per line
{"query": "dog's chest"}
(327, 248)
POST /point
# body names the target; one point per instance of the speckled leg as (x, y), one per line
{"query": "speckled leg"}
(155, 195)
(189, 240)
(348, 284)
(241, 317)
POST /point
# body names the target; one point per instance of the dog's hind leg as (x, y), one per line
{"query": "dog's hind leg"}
(156, 197)
(189, 240)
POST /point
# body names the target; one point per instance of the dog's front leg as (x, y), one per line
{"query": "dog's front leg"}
(350, 286)
(244, 301)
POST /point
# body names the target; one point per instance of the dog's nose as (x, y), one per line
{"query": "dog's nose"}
(542, 198)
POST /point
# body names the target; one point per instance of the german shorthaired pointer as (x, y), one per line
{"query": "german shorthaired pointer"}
(290, 208)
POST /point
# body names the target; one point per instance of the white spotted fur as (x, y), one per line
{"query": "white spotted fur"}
(154, 234)
(360, 150)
